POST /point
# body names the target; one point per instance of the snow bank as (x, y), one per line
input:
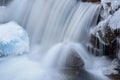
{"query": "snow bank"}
(13, 39)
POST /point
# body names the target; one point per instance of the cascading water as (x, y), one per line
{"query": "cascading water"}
(54, 27)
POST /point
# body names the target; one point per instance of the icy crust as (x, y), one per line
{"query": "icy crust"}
(109, 21)
(109, 15)
(114, 3)
(109, 7)
(115, 20)
(13, 39)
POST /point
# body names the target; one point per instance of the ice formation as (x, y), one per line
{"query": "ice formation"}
(13, 39)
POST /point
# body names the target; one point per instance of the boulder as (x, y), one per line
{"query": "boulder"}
(115, 76)
(13, 39)
(91, 1)
(104, 38)
(74, 63)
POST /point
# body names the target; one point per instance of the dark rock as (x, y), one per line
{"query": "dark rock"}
(107, 36)
(94, 46)
(4, 2)
(94, 41)
(74, 64)
(74, 60)
(111, 50)
(109, 4)
(115, 76)
(85, 75)
(117, 32)
(106, 44)
(91, 1)
(111, 45)
(116, 64)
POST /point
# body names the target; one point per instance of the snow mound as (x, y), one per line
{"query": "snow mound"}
(13, 39)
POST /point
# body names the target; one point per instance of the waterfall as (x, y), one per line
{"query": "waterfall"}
(54, 27)
(19, 12)
(58, 21)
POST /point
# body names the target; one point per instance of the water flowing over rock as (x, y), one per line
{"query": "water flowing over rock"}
(74, 64)
(74, 60)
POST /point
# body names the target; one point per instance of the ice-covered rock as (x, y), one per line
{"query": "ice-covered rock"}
(105, 12)
(91, 1)
(13, 39)
(115, 5)
(115, 20)
(108, 28)
(109, 7)
(107, 31)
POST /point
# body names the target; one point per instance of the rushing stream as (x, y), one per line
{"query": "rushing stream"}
(54, 27)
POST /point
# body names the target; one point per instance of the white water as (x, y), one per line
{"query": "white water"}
(54, 27)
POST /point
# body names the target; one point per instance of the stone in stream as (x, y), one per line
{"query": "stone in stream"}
(115, 76)
(13, 39)
(74, 64)
(91, 1)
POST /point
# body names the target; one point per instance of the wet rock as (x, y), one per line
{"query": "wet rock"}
(74, 64)
(74, 60)
(4, 2)
(115, 76)
(107, 35)
(104, 38)
(85, 75)
(116, 67)
(99, 49)
(94, 46)
(105, 42)
(117, 32)
(91, 0)
(94, 41)
(111, 50)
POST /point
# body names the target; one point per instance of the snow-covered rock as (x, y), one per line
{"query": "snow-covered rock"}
(110, 21)
(109, 7)
(115, 20)
(13, 39)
